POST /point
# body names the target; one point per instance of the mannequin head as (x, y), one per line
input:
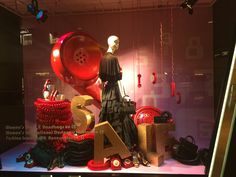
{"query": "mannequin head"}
(113, 43)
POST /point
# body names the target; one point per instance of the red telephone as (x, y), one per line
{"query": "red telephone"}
(74, 54)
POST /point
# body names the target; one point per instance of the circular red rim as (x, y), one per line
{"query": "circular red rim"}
(139, 110)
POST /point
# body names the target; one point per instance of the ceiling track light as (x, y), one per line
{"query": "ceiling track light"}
(189, 5)
(40, 15)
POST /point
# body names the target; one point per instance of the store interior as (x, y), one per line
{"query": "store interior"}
(174, 56)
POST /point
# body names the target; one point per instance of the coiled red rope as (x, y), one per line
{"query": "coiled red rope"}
(53, 118)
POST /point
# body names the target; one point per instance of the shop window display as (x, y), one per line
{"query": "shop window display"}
(164, 68)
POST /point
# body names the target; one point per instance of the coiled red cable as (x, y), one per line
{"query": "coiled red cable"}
(98, 166)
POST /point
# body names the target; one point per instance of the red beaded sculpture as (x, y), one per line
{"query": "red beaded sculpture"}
(53, 119)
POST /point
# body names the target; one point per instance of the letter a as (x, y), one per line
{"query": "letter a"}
(117, 145)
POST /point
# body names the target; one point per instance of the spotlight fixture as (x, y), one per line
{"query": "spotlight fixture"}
(189, 5)
(41, 15)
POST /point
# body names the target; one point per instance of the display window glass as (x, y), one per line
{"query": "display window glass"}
(70, 78)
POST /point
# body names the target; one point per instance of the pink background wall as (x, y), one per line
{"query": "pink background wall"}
(139, 51)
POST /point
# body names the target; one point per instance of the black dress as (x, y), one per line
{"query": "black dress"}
(110, 72)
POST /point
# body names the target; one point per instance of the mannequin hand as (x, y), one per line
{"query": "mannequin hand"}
(105, 83)
(99, 83)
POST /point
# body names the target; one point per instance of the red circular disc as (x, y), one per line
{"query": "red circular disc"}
(146, 114)
(81, 55)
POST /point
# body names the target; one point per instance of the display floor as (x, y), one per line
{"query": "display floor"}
(169, 167)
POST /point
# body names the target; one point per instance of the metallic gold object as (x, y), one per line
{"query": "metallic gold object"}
(83, 118)
(117, 145)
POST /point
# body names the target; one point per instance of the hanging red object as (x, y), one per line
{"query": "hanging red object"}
(172, 84)
(139, 80)
(173, 88)
(154, 78)
(178, 97)
(75, 60)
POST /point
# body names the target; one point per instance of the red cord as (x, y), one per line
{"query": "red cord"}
(98, 166)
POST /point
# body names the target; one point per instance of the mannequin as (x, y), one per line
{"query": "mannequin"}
(110, 74)
(113, 44)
